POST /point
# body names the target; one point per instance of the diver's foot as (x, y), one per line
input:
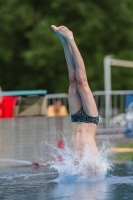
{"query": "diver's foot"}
(63, 31)
(56, 30)
(66, 33)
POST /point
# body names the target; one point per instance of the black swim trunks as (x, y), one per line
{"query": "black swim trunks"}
(81, 116)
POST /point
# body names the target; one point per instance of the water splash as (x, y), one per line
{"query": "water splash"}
(69, 164)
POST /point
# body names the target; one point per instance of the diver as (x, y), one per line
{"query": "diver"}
(83, 110)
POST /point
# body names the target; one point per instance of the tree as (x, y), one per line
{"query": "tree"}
(31, 56)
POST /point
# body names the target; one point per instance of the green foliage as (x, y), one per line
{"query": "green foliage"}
(123, 156)
(31, 56)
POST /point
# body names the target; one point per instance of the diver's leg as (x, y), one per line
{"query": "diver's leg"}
(73, 94)
(87, 99)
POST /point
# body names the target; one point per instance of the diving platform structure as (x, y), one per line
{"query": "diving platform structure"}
(24, 93)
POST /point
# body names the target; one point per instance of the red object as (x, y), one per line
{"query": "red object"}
(38, 164)
(7, 106)
(60, 158)
(60, 144)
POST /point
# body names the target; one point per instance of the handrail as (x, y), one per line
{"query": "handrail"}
(113, 92)
(53, 96)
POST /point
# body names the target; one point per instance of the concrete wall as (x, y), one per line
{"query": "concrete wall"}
(24, 138)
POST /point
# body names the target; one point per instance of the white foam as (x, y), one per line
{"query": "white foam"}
(89, 164)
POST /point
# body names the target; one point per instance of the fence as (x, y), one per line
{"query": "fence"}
(111, 107)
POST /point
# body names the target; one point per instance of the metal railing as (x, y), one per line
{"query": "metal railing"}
(111, 107)
(111, 112)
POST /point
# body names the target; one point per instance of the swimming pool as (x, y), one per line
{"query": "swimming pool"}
(33, 183)
(37, 183)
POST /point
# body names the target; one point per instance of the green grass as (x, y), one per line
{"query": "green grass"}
(128, 156)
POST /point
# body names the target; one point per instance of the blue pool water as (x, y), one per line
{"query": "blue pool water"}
(67, 175)
(40, 183)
